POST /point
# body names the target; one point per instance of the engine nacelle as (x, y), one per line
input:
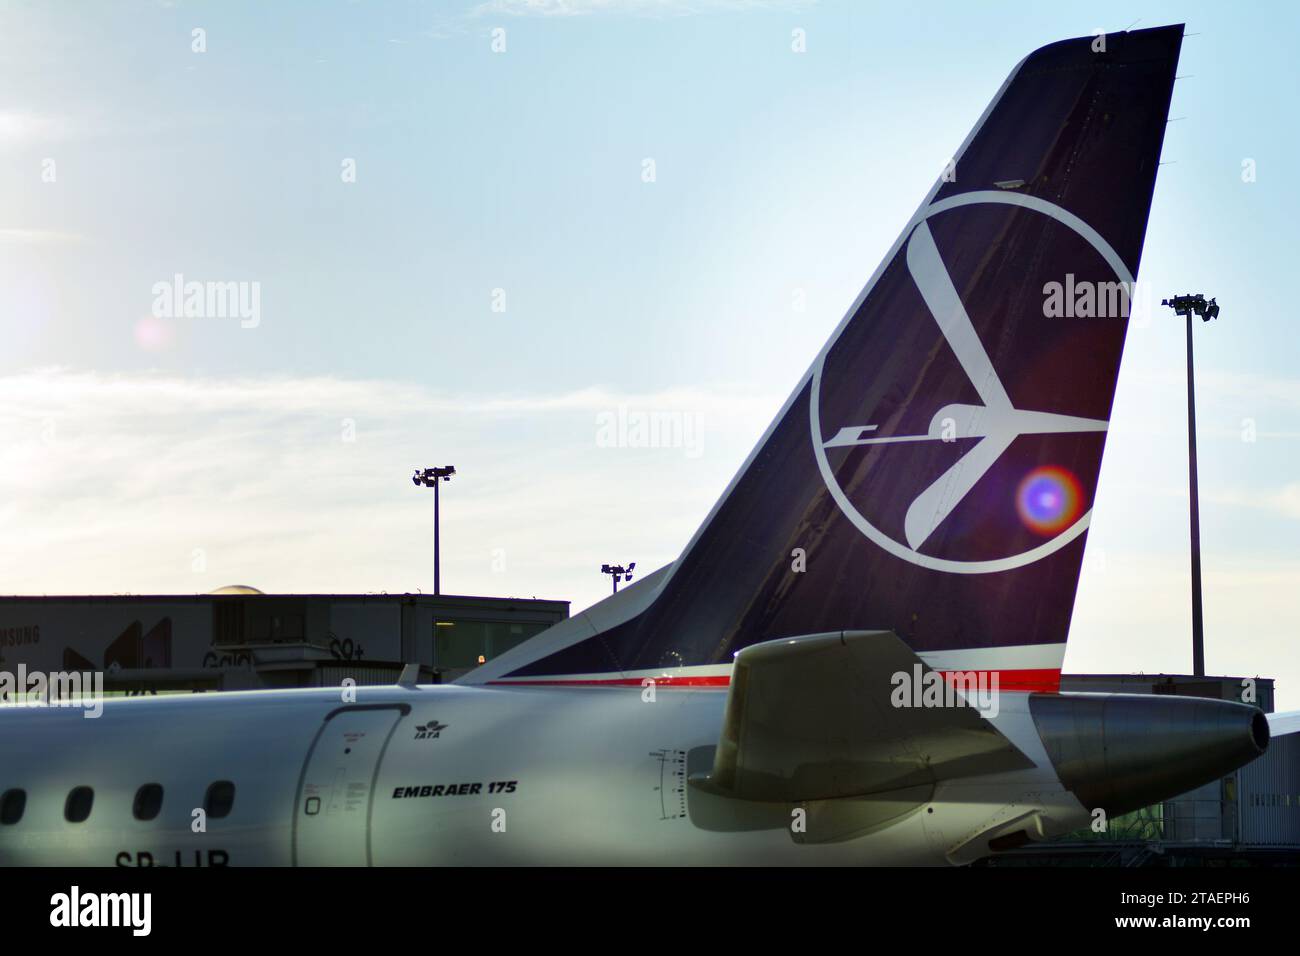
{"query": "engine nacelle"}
(1121, 752)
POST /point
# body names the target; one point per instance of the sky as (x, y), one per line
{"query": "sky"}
(487, 233)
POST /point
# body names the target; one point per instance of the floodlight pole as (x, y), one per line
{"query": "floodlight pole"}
(431, 478)
(618, 572)
(437, 550)
(1198, 622)
(1187, 306)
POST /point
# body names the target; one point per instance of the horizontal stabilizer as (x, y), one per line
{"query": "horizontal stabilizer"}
(834, 715)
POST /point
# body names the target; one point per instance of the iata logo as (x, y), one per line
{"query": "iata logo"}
(430, 731)
(1045, 494)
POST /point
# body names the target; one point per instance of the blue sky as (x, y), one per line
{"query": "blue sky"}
(181, 455)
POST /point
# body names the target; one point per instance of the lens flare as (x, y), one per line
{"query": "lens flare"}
(1049, 500)
(154, 334)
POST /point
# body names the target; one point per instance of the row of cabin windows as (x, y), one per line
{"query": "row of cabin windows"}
(217, 803)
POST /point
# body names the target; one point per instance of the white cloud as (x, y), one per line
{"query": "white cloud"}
(110, 483)
(1287, 501)
(1231, 390)
(1284, 502)
(38, 236)
(18, 128)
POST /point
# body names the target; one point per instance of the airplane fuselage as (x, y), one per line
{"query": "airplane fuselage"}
(443, 775)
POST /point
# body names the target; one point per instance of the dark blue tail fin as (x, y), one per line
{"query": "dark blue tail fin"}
(933, 473)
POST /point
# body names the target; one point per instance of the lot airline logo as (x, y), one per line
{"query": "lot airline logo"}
(1043, 498)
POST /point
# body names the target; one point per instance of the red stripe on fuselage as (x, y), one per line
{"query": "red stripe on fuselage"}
(721, 680)
(1042, 680)
(1045, 680)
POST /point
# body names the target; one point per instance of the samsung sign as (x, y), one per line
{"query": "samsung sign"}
(18, 636)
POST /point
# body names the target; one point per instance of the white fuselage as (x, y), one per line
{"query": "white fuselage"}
(443, 775)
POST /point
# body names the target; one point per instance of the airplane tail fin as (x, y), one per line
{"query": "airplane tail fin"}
(933, 472)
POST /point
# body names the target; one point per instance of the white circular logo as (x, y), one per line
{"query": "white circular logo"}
(995, 422)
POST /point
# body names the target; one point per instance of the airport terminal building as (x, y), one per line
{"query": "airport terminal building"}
(239, 638)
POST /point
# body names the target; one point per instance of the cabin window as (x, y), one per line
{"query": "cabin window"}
(77, 807)
(148, 801)
(220, 798)
(12, 805)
